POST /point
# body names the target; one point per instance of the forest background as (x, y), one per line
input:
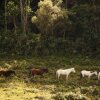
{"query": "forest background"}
(50, 27)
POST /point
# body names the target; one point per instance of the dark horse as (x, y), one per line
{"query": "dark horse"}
(7, 73)
(38, 71)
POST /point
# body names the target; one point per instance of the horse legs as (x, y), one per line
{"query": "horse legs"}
(41, 75)
(98, 77)
(89, 76)
(58, 76)
(33, 75)
(66, 77)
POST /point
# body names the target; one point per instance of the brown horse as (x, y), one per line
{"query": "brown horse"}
(40, 71)
(7, 73)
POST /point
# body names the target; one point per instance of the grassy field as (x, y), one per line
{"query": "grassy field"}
(23, 87)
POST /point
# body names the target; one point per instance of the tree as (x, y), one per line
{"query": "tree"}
(12, 11)
(47, 14)
(25, 11)
(5, 17)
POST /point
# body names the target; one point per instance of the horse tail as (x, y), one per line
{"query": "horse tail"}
(81, 76)
(57, 74)
(30, 73)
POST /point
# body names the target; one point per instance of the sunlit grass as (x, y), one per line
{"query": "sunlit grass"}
(23, 87)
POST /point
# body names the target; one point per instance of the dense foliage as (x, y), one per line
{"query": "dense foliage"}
(50, 27)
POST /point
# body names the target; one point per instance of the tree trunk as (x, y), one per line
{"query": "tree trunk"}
(5, 17)
(15, 24)
(66, 4)
(27, 4)
(22, 16)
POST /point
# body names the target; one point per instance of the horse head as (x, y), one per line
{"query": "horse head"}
(45, 70)
(73, 70)
(95, 73)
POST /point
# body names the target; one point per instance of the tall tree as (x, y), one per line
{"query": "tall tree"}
(12, 11)
(25, 11)
(47, 14)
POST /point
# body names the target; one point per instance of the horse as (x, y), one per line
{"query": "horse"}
(64, 72)
(38, 71)
(88, 73)
(7, 73)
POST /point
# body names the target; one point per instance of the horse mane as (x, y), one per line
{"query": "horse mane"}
(87, 70)
(66, 69)
(90, 71)
(61, 69)
(72, 68)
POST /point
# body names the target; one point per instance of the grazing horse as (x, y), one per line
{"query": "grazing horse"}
(40, 71)
(88, 73)
(7, 73)
(64, 72)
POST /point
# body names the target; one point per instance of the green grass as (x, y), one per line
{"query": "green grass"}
(23, 87)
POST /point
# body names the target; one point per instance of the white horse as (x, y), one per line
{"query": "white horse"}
(64, 72)
(99, 76)
(88, 73)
